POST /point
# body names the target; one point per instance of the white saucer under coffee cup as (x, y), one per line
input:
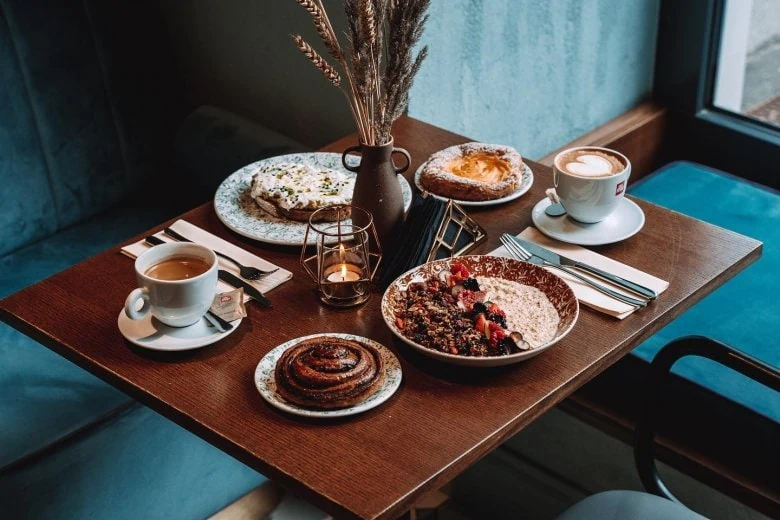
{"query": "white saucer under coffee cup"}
(177, 303)
(590, 196)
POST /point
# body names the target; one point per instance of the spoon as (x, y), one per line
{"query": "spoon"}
(555, 210)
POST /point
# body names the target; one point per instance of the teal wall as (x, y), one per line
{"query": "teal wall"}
(534, 74)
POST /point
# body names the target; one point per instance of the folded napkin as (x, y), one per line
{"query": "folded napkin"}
(585, 293)
(205, 238)
(419, 232)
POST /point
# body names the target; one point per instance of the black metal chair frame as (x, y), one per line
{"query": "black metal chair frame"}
(660, 369)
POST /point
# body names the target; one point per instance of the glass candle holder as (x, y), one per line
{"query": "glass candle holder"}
(342, 264)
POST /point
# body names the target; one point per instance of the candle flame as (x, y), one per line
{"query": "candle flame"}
(343, 272)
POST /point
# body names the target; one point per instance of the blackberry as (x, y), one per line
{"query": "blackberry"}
(471, 284)
(479, 307)
(506, 346)
(497, 318)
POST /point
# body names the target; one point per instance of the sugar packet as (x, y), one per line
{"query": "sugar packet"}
(229, 305)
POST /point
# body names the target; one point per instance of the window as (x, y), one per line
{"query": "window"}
(747, 78)
(718, 72)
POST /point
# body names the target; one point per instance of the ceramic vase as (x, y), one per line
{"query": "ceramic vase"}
(377, 189)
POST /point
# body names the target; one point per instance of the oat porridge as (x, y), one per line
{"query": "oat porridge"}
(456, 313)
(527, 309)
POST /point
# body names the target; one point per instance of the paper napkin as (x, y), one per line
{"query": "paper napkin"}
(205, 238)
(584, 293)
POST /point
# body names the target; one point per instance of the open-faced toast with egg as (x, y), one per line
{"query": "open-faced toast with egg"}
(295, 191)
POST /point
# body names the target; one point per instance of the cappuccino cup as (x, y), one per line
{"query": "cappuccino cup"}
(176, 284)
(590, 181)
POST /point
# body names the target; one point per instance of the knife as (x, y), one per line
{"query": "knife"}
(227, 277)
(555, 258)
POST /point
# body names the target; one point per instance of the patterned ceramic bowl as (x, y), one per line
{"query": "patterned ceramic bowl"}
(556, 290)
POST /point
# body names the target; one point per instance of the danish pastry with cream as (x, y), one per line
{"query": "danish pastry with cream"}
(473, 172)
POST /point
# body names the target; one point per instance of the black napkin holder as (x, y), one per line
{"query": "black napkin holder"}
(434, 229)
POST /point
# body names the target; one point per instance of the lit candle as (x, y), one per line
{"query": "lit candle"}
(344, 274)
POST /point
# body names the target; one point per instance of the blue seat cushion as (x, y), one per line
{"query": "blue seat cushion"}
(744, 312)
(139, 465)
(42, 395)
(620, 505)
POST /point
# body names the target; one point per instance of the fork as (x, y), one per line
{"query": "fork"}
(521, 253)
(246, 272)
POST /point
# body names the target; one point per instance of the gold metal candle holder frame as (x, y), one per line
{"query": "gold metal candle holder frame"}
(455, 224)
(341, 264)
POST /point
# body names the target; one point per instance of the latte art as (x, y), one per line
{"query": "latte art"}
(590, 163)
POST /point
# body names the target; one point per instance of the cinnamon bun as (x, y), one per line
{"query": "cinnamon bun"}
(473, 172)
(329, 373)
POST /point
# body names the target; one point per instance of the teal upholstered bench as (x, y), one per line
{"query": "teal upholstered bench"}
(745, 312)
(72, 446)
(88, 112)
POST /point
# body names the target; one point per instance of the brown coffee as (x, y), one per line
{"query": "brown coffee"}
(177, 268)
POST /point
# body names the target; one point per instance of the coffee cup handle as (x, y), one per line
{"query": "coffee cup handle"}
(132, 300)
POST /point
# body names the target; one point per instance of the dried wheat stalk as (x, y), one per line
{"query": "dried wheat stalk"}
(381, 66)
(318, 61)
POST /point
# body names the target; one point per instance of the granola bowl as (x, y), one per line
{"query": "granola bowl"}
(480, 311)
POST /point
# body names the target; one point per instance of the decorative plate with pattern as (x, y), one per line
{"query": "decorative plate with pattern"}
(265, 379)
(525, 185)
(554, 287)
(238, 211)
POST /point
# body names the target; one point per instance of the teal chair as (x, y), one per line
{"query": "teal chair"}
(659, 503)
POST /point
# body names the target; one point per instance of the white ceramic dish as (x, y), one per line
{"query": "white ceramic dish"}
(265, 379)
(152, 334)
(525, 185)
(555, 288)
(239, 212)
(623, 223)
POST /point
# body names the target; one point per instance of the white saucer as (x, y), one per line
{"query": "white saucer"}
(154, 335)
(265, 379)
(624, 222)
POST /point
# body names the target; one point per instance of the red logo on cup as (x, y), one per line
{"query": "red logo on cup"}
(225, 299)
(620, 188)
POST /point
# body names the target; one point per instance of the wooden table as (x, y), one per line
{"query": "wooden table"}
(442, 419)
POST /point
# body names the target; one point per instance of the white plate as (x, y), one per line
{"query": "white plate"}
(239, 212)
(154, 335)
(555, 288)
(525, 185)
(265, 379)
(624, 222)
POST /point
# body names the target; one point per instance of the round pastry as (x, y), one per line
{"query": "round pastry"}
(473, 172)
(329, 373)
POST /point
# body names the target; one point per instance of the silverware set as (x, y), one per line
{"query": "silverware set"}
(518, 248)
(532, 253)
(247, 272)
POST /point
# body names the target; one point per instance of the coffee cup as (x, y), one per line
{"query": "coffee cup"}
(176, 284)
(590, 181)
